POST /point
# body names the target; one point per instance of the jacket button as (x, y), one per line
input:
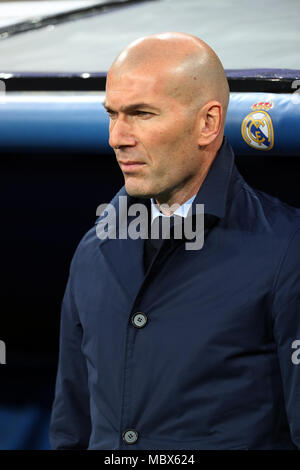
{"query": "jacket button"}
(139, 320)
(130, 436)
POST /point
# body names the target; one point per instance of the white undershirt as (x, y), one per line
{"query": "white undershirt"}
(181, 210)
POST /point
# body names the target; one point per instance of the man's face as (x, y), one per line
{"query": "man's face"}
(153, 135)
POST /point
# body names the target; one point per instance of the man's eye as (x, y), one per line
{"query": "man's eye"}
(111, 114)
(143, 113)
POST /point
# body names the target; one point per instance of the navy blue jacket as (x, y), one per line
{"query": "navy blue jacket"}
(216, 364)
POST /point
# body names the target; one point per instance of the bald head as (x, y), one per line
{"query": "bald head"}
(166, 96)
(190, 69)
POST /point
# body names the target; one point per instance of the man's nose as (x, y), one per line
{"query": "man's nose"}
(120, 134)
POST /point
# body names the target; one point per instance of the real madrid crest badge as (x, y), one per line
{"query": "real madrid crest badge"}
(257, 128)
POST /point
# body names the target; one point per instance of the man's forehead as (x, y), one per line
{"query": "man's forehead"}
(122, 79)
(135, 85)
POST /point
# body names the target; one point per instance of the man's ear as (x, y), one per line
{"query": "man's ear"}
(210, 122)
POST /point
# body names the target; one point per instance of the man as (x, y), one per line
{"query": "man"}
(163, 347)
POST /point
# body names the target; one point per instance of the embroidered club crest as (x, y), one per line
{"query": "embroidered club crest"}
(257, 127)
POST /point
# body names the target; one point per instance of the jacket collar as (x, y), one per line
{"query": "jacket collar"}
(213, 192)
(125, 256)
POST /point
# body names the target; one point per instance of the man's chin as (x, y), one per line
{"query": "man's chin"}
(133, 191)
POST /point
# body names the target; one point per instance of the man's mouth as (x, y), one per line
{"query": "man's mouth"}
(130, 165)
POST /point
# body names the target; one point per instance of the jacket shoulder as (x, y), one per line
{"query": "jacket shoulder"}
(263, 209)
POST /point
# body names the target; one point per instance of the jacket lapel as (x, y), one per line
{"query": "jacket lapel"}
(125, 256)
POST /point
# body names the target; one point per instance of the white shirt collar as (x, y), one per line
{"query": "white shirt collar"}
(181, 210)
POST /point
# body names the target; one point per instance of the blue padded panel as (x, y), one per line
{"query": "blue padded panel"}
(282, 119)
(54, 124)
(80, 124)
